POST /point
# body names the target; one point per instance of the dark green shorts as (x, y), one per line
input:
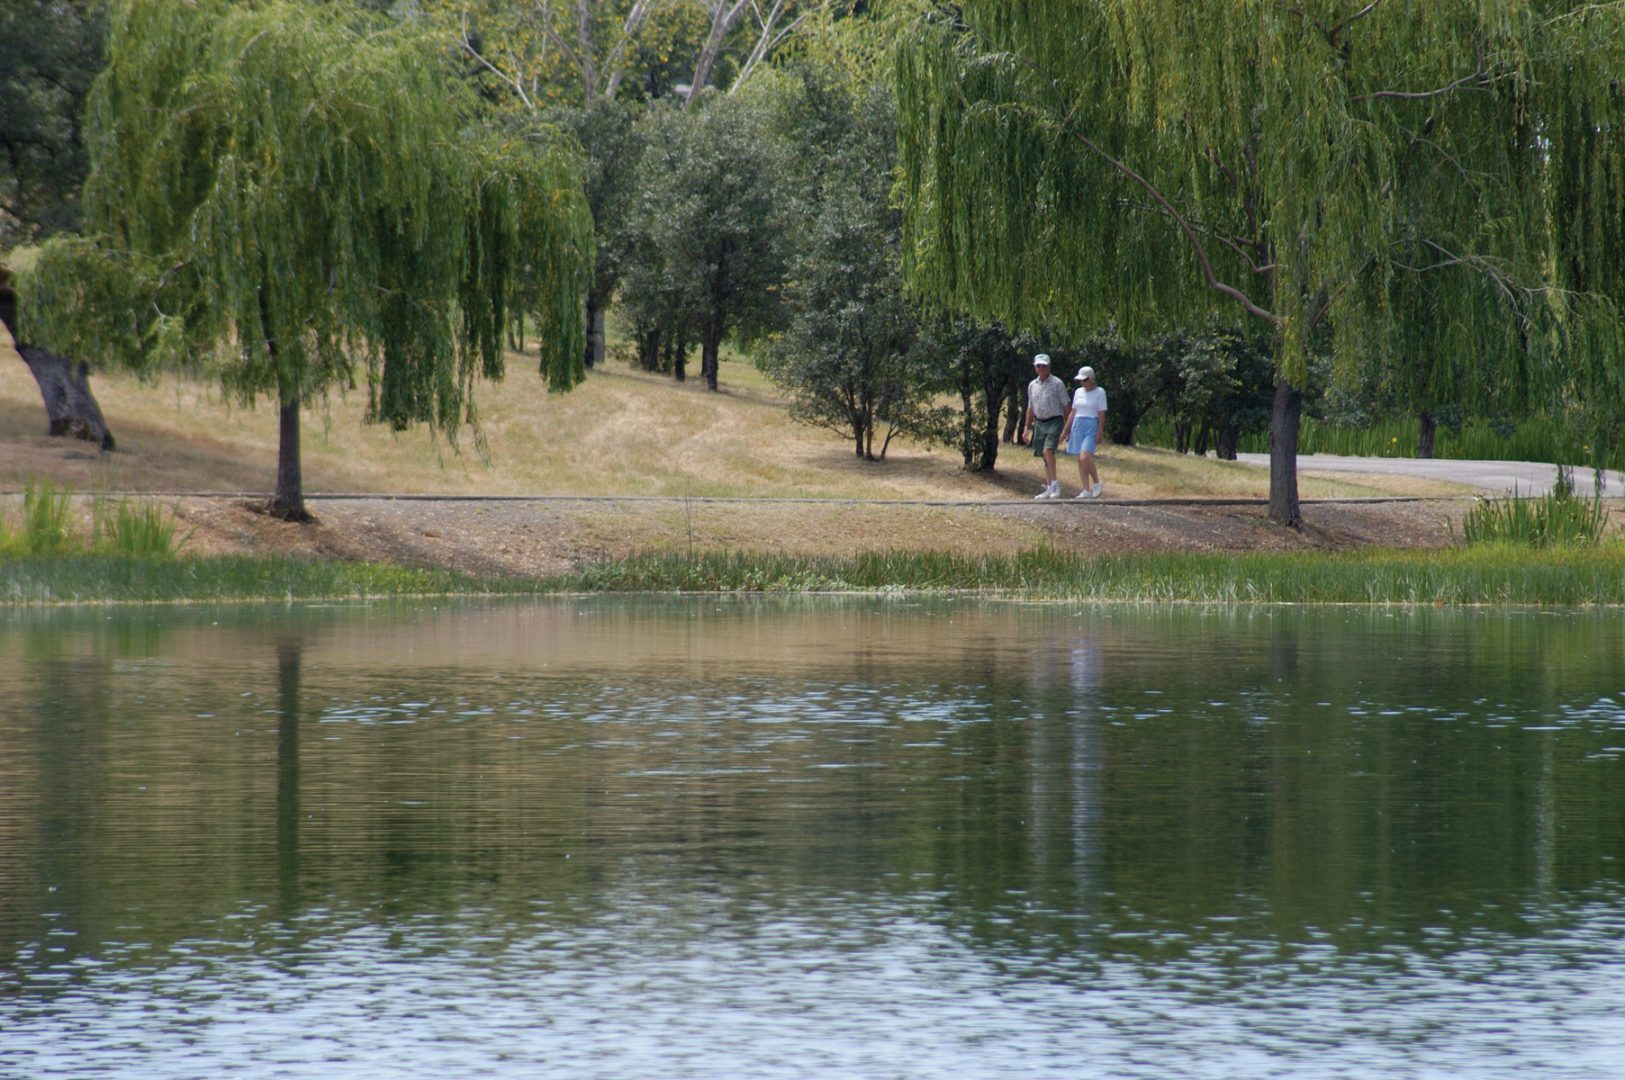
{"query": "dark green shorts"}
(1047, 434)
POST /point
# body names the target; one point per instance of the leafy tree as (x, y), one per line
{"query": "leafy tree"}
(989, 368)
(1215, 385)
(288, 190)
(1147, 162)
(712, 224)
(50, 53)
(852, 358)
(612, 139)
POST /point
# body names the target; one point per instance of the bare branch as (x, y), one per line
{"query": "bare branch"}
(1337, 31)
(513, 83)
(764, 41)
(585, 51)
(629, 30)
(723, 18)
(1478, 79)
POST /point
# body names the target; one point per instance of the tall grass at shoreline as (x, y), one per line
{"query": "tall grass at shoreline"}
(117, 578)
(1557, 519)
(1489, 574)
(1492, 574)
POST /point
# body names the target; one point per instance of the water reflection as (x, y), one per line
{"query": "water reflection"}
(810, 837)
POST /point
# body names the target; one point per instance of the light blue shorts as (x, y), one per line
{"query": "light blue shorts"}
(1084, 429)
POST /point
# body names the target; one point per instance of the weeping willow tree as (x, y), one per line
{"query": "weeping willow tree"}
(288, 194)
(1418, 185)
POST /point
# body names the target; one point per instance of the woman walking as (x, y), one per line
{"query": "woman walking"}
(1085, 422)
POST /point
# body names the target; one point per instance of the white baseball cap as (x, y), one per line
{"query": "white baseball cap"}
(1041, 359)
(1084, 373)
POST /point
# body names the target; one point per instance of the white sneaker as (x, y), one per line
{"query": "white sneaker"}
(1084, 494)
(1044, 494)
(1096, 493)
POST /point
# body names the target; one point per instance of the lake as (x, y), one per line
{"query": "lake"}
(811, 837)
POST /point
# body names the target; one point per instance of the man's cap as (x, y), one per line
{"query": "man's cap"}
(1041, 359)
(1084, 373)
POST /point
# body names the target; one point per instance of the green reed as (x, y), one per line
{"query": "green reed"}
(121, 578)
(1479, 575)
(44, 525)
(1557, 519)
(138, 529)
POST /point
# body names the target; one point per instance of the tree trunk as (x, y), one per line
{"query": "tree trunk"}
(70, 408)
(1228, 442)
(1424, 435)
(1122, 418)
(1285, 413)
(289, 501)
(710, 353)
(595, 331)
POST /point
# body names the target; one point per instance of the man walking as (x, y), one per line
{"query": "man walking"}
(1047, 402)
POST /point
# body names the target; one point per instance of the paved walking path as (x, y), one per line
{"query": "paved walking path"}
(1526, 477)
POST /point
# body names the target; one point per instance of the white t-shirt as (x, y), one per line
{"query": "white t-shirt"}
(1088, 403)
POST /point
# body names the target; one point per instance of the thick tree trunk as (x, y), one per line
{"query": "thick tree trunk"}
(1424, 435)
(70, 407)
(1285, 414)
(289, 501)
(1227, 443)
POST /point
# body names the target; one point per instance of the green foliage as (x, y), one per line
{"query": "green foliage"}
(1556, 519)
(852, 358)
(1542, 437)
(712, 225)
(291, 191)
(1432, 185)
(1208, 389)
(990, 368)
(50, 52)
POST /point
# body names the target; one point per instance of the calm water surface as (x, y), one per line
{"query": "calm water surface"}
(809, 838)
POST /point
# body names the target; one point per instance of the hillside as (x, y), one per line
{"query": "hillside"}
(649, 458)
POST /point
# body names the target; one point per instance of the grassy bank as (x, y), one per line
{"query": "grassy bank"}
(110, 578)
(1481, 575)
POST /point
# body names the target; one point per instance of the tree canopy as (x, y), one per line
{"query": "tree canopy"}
(291, 193)
(50, 52)
(1360, 171)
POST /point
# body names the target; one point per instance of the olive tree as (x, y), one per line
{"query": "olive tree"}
(1150, 162)
(288, 194)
